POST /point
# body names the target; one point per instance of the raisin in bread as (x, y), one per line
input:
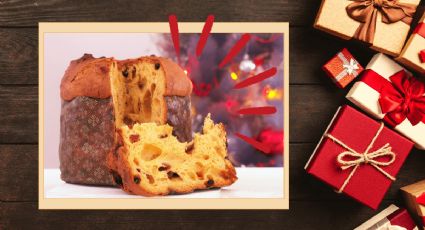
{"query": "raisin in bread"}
(100, 94)
(151, 161)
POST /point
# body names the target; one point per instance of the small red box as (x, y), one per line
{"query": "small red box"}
(343, 68)
(339, 159)
(390, 218)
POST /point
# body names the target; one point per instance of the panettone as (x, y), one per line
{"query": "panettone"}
(150, 161)
(101, 94)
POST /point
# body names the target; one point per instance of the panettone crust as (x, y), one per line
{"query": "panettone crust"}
(89, 76)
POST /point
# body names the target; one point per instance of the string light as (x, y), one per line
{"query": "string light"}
(185, 71)
(272, 94)
(234, 76)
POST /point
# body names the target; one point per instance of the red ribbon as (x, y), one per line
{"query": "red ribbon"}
(420, 29)
(422, 56)
(421, 200)
(400, 98)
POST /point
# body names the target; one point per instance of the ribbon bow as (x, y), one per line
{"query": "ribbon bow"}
(371, 158)
(404, 98)
(351, 66)
(366, 12)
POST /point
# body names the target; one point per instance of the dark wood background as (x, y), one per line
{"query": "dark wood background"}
(313, 98)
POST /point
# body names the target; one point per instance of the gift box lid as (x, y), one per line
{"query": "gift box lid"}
(367, 185)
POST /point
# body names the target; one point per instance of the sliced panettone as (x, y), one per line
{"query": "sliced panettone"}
(151, 161)
(101, 94)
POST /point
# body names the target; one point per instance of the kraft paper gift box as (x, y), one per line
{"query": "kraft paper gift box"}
(388, 92)
(359, 156)
(391, 218)
(414, 195)
(384, 24)
(413, 54)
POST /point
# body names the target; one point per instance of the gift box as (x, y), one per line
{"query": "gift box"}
(391, 218)
(413, 54)
(359, 156)
(342, 68)
(414, 195)
(389, 92)
(383, 24)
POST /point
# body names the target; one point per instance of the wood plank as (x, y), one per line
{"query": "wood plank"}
(18, 56)
(19, 174)
(29, 13)
(311, 109)
(19, 114)
(302, 215)
(18, 177)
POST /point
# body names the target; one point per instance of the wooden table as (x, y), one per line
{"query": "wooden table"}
(313, 98)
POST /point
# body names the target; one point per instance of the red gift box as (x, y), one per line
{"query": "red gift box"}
(390, 218)
(359, 156)
(343, 68)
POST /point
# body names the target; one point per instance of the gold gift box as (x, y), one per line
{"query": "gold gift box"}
(389, 38)
(410, 54)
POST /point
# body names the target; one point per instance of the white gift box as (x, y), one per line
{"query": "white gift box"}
(367, 98)
(380, 221)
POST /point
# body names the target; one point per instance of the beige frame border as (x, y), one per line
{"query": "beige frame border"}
(162, 203)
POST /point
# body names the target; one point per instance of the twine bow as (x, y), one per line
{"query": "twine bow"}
(367, 157)
(366, 12)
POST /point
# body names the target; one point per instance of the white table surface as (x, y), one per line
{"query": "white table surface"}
(252, 183)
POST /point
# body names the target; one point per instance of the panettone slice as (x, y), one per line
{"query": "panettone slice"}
(150, 161)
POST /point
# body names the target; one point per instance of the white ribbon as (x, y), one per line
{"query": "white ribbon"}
(350, 66)
(385, 224)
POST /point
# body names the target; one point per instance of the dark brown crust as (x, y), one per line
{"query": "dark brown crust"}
(178, 116)
(89, 76)
(87, 135)
(177, 82)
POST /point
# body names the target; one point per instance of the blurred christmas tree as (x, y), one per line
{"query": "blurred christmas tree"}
(213, 90)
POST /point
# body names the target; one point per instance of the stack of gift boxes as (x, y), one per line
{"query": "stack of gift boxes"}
(361, 153)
